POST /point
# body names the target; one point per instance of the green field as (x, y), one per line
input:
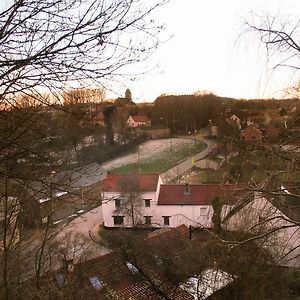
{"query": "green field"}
(162, 161)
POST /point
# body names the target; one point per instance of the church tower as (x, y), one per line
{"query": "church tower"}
(128, 95)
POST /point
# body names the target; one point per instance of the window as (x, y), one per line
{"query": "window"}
(202, 211)
(96, 282)
(147, 202)
(166, 220)
(147, 220)
(131, 267)
(117, 202)
(118, 220)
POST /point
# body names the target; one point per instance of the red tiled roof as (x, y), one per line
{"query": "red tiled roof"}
(112, 270)
(251, 129)
(200, 194)
(143, 291)
(140, 119)
(144, 182)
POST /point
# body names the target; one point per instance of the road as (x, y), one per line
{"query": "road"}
(171, 175)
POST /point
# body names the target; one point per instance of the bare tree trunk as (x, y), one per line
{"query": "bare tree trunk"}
(5, 248)
(39, 263)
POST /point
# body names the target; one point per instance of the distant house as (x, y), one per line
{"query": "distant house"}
(251, 134)
(234, 121)
(164, 205)
(265, 116)
(155, 132)
(276, 217)
(136, 121)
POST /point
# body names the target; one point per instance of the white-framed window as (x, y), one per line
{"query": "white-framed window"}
(203, 211)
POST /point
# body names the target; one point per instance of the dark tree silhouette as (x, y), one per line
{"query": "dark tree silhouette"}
(46, 46)
(109, 115)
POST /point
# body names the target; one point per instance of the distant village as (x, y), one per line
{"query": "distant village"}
(217, 222)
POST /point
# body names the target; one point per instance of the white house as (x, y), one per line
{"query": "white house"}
(113, 190)
(234, 121)
(166, 205)
(191, 204)
(276, 219)
(136, 121)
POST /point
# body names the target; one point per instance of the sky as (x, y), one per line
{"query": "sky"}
(210, 51)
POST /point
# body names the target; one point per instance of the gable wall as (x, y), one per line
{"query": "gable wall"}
(260, 217)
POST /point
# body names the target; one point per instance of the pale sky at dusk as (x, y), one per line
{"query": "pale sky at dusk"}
(206, 52)
(210, 51)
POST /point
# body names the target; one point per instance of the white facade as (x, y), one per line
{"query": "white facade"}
(133, 124)
(160, 215)
(194, 215)
(236, 120)
(282, 235)
(110, 210)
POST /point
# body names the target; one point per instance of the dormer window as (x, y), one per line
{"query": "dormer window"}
(96, 282)
(187, 189)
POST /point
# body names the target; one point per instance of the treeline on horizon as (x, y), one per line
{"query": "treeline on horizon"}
(181, 113)
(187, 113)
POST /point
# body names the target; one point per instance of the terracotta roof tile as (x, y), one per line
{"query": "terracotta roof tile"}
(145, 182)
(116, 278)
(200, 194)
(140, 119)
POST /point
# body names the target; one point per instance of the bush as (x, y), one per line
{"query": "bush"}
(102, 153)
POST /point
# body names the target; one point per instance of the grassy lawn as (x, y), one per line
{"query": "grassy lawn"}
(163, 160)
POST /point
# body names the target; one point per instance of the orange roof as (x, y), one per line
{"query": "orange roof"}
(140, 119)
(200, 194)
(144, 182)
